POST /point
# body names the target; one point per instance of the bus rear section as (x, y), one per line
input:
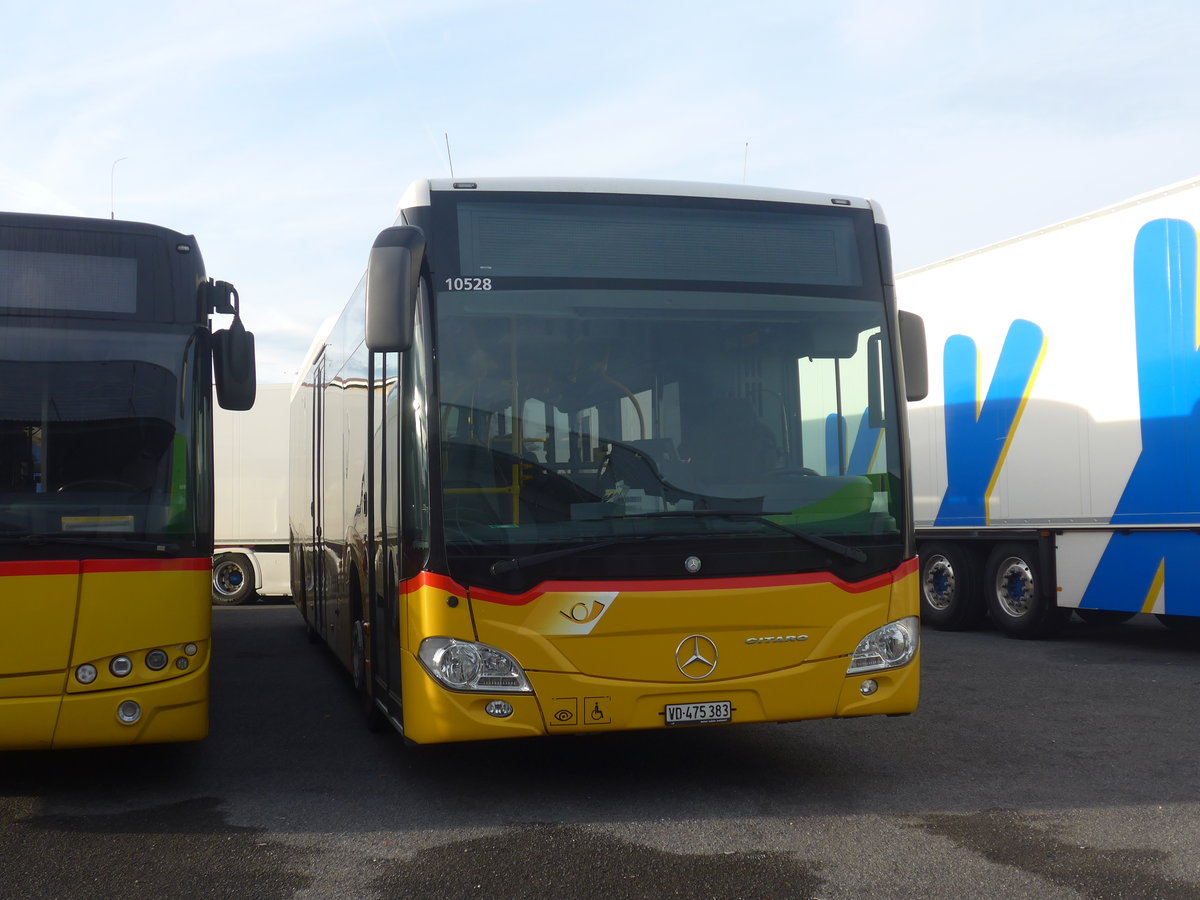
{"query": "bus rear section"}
(634, 457)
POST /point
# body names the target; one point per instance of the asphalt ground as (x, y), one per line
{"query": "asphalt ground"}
(1054, 769)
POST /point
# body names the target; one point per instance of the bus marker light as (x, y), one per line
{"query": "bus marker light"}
(156, 660)
(120, 666)
(128, 712)
(500, 709)
(190, 649)
(85, 674)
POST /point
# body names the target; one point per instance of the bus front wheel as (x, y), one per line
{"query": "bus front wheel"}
(362, 679)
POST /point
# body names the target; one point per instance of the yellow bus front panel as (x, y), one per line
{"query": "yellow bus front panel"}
(757, 650)
(124, 655)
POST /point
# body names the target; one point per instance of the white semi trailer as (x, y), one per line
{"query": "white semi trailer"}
(1056, 459)
(250, 461)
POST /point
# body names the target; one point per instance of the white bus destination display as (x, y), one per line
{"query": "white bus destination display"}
(564, 240)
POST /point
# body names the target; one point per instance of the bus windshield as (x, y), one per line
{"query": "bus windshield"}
(97, 445)
(688, 391)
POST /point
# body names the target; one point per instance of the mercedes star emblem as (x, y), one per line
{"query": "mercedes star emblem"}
(696, 656)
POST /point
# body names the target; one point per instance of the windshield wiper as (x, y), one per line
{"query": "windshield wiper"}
(851, 553)
(502, 566)
(38, 540)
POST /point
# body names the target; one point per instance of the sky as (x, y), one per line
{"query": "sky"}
(282, 135)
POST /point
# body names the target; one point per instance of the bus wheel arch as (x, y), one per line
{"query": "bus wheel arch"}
(951, 599)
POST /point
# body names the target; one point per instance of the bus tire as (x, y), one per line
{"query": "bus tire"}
(362, 683)
(950, 595)
(232, 579)
(1017, 601)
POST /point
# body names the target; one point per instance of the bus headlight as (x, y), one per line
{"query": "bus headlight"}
(468, 666)
(889, 647)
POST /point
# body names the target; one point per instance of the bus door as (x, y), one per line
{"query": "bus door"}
(318, 595)
(385, 580)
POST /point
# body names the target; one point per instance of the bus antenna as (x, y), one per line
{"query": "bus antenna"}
(745, 161)
(112, 180)
(449, 158)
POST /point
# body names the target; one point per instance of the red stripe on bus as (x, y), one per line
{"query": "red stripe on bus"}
(40, 567)
(202, 564)
(442, 582)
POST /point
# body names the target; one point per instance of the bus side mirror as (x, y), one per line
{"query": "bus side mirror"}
(914, 356)
(393, 279)
(233, 366)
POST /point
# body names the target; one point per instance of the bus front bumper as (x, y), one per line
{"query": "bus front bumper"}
(167, 711)
(567, 703)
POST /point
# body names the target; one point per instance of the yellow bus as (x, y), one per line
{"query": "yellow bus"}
(107, 362)
(581, 456)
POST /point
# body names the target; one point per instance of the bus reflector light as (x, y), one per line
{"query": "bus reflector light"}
(500, 709)
(156, 660)
(85, 674)
(128, 712)
(120, 666)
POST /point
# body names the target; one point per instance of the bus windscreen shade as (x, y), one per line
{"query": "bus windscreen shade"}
(555, 240)
(52, 282)
(82, 391)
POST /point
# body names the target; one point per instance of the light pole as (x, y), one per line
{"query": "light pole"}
(112, 174)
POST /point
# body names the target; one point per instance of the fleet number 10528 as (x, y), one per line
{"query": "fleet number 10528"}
(468, 284)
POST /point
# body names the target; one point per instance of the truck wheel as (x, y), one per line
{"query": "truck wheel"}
(1016, 599)
(950, 597)
(232, 579)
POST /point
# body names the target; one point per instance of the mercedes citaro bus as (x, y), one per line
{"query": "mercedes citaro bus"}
(584, 455)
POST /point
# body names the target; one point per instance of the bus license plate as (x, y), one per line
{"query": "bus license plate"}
(697, 713)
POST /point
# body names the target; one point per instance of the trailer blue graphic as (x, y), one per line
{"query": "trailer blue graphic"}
(1162, 488)
(1138, 567)
(978, 434)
